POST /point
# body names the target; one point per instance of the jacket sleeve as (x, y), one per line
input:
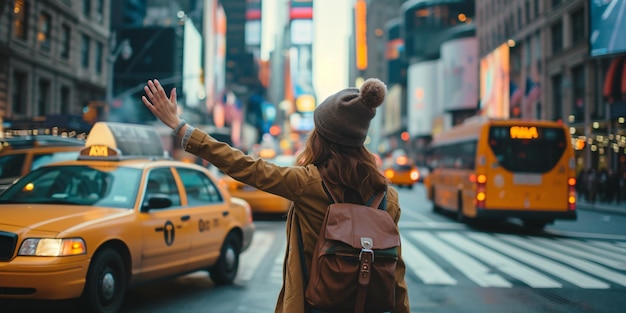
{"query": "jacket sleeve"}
(402, 296)
(285, 181)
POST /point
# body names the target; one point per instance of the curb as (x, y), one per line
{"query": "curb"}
(602, 208)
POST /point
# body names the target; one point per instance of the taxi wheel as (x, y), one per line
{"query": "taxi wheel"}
(105, 285)
(225, 270)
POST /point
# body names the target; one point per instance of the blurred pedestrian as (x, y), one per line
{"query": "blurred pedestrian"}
(612, 186)
(333, 150)
(591, 186)
(603, 179)
(580, 183)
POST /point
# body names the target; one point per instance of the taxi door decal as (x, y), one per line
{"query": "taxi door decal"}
(168, 232)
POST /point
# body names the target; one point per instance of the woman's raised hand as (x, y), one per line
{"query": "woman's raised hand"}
(163, 107)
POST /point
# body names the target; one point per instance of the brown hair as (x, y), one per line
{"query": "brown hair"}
(347, 167)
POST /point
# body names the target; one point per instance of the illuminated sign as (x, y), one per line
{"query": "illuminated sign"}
(524, 132)
(99, 151)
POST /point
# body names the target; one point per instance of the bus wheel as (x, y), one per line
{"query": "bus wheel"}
(459, 211)
(535, 224)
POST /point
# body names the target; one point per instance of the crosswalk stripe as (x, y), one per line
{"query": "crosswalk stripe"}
(575, 277)
(480, 257)
(609, 246)
(471, 268)
(261, 244)
(619, 257)
(563, 246)
(584, 265)
(423, 267)
(505, 264)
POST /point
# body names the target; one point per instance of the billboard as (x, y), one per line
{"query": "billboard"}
(607, 24)
(459, 70)
(495, 83)
(422, 97)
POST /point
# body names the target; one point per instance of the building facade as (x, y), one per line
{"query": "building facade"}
(555, 75)
(52, 60)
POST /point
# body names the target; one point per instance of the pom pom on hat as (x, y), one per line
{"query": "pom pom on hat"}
(344, 117)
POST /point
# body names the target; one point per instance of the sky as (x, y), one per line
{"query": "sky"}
(332, 26)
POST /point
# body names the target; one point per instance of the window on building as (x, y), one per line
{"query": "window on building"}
(100, 10)
(87, 7)
(84, 51)
(519, 18)
(578, 26)
(556, 31)
(19, 92)
(20, 21)
(527, 10)
(65, 41)
(98, 56)
(578, 107)
(65, 99)
(536, 8)
(44, 28)
(43, 98)
(556, 3)
(557, 97)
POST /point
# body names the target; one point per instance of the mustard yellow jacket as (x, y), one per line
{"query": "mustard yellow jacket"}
(303, 186)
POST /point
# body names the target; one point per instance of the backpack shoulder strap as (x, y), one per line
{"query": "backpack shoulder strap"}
(330, 195)
(378, 201)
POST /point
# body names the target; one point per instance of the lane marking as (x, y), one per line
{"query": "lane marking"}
(473, 269)
(545, 264)
(503, 263)
(423, 267)
(250, 259)
(589, 267)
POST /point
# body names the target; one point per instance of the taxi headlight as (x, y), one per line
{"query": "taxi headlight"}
(52, 247)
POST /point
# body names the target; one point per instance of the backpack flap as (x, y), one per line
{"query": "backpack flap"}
(366, 222)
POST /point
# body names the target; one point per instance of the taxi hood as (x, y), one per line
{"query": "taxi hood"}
(54, 218)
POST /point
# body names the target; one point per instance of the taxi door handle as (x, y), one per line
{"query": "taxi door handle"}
(225, 213)
(184, 218)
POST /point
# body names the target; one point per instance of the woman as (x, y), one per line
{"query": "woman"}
(333, 150)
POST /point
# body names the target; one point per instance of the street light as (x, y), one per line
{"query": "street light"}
(126, 51)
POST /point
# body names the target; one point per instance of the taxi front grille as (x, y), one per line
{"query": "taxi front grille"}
(8, 241)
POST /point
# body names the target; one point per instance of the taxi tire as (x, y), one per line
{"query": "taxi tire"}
(105, 265)
(225, 270)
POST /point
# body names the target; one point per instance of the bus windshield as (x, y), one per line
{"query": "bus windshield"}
(529, 149)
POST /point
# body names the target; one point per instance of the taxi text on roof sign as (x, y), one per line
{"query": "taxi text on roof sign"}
(524, 132)
(108, 140)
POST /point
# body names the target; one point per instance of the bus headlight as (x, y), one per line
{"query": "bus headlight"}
(52, 247)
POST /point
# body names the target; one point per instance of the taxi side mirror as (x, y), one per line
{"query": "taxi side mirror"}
(157, 201)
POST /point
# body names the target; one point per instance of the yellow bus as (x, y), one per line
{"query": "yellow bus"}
(499, 169)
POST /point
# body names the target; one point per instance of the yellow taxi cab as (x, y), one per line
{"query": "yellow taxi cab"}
(261, 201)
(123, 213)
(22, 154)
(401, 171)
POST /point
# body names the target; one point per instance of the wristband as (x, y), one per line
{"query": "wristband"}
(178, 127)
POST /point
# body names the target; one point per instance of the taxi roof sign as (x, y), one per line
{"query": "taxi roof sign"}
(114, 141)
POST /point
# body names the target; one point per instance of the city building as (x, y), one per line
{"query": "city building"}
(566, 64)
(564, 61)
(52, 62)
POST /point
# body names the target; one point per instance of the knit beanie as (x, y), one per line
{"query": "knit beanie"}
(345, 116)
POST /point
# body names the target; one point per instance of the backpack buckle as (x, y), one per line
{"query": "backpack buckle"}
(366, 246)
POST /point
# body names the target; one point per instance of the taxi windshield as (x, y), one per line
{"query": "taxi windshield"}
(76, 185)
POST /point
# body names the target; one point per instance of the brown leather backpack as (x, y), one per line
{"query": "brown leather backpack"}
(354, 261)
